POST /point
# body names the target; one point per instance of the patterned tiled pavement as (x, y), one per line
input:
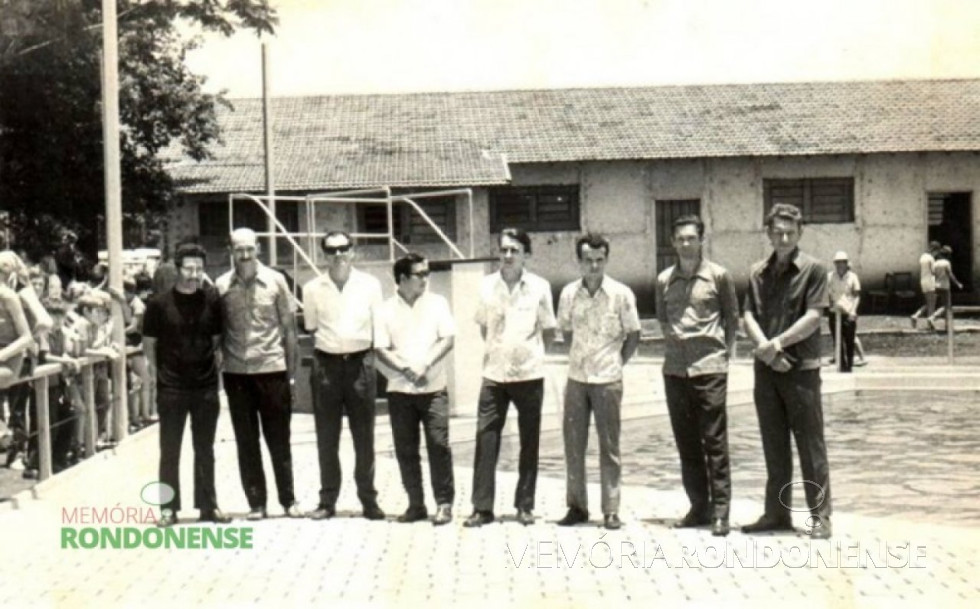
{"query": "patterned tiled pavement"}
(878, 557)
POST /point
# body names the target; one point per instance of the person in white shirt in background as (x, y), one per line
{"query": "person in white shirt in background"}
(927, 282)
(844, 289)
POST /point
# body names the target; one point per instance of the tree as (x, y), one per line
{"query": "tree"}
(51, 159)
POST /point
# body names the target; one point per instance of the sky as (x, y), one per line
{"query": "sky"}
(379, 46)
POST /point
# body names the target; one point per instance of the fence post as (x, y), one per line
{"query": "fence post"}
(949, 324)
(118, 398)
(91, 421)
(43, 428)
(838, 344)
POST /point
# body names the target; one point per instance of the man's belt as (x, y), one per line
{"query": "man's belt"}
(341, 356)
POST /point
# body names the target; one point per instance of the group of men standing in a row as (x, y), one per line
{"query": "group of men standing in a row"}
(411, 332)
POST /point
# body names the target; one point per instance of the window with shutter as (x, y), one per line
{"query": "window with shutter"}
(822, 200)
(535, 208)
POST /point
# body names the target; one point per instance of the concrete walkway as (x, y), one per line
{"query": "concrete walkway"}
(871, 561)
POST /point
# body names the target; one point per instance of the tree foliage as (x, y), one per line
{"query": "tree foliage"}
(51, 153)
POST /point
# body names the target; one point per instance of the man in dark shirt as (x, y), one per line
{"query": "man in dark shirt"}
(786, 298)
(698, 313)
(181, 331)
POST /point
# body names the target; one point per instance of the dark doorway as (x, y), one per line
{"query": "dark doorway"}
(667, 212)
(951, 223)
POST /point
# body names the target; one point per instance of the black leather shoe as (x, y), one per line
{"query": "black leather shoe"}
(373, 512)
(820, 528)
(257, 513)
(215, 515)
(525, 517)
(478, 519)
(612, 522)
(691, 520)
(167, 519)
(414, 513)
(720, 527)
(573, 517)
(322, 512)
(444, 515)
(767, 524)
(292, 511)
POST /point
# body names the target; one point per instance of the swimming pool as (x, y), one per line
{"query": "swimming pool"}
(911, 455)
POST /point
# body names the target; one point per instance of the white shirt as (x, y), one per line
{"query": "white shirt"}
(513, 322)
(599, 325)
(844, 291)
(341, 319)
(927, 278)
(411, 330)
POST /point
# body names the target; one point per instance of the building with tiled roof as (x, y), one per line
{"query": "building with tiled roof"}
(880, 168)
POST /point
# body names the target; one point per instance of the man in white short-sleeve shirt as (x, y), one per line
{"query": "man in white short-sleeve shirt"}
(338, 308)
(516, 318)
(414, 333)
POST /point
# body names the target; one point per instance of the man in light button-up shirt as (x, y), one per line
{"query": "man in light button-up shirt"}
(516, 318)
(598, 316)
(259, 346)
(698, 313)
(414, 333)
(339, 309)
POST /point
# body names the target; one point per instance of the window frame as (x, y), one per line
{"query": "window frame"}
(402, 216)
(806, 204)
(532, 195)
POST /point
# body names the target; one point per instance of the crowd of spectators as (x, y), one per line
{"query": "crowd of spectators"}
(58, 309)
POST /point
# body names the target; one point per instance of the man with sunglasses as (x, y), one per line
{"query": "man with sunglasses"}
(339, 308)
(516, 318)
(259, 369)
(414, 333)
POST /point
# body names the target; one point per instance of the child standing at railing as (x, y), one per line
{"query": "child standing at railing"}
(95, 308)
(65, 402)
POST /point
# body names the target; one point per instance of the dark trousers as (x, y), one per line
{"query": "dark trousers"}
(790, 401)
(344, 384)
(700, 423)
(21, 398)
(495, 398)
(406, 411)
(261, 404)
(848, 331)
(174, 406)
(61, 425)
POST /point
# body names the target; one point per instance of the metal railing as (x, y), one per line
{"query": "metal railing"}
(364, 196)
(116, 414)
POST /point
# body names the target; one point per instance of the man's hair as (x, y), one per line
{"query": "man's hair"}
(935, 246)
(784, 211)
(336, 233)
(189, 250)
(594, 241)
(518, 234)
(403, 266)
(689, 219)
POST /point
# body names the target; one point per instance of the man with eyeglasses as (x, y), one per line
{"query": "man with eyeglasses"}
(182, 329)
(598, 316)
(414, 333)
(517, 319)
(339, 308)
(259, 367)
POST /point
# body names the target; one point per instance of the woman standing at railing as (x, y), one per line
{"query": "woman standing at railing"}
(15, 334)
